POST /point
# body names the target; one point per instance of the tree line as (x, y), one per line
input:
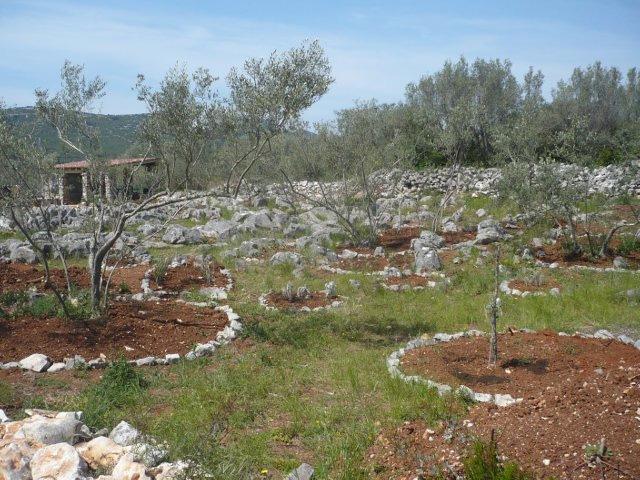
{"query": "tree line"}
(480, 114)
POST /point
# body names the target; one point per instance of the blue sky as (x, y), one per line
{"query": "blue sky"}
(375, 47)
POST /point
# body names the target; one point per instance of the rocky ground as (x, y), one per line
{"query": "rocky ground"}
(307, 321)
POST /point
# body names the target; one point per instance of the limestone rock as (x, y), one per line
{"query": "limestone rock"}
(59, 461)
(101, 452)
(15, 457)
(303, 472)
(124, 434)
(128, 469)
(280, 258)
(427, 260)
(35, 362)
(49, 431)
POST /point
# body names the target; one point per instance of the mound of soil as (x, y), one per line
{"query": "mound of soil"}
(528, 362)
(149, 328)
(189, 276)
(15, 277)
(453, 238)
(316, 299)
(575, 392)
(399, 238)
(546, 285)
(411, 280)
(556, 254)
(363, 264)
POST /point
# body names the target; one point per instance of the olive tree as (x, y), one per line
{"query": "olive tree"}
(267, 97)
(346, 155)
(26, 198)
(110, 212)
(185, 115)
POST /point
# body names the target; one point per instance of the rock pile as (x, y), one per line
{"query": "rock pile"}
(58, 445)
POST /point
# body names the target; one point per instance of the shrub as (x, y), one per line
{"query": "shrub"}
(45, 306)
(628, 245)
(9, 299)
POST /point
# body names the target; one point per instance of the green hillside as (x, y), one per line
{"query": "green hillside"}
(117, 132)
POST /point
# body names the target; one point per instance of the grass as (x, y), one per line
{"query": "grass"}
(6, 393)
(314, 387)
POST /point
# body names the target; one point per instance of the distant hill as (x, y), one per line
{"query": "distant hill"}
(117, 132)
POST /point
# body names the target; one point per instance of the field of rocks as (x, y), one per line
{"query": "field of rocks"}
(247, 338)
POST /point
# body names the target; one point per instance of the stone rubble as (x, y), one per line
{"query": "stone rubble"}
(58, 445)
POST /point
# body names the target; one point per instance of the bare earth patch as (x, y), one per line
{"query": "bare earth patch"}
(148, 328)
(15, 277)
(575, 391)
(524, 286)
(556, 254)
(189, 276)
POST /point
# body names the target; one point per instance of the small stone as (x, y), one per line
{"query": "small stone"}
(303, 472)
(101, 452)
(146, 361)
(56, 367)
(546, 462)
(330, 289)
(620, 262)
(124, 434)
(128, 469)
(172, 357)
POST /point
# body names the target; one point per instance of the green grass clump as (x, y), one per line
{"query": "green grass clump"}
(6, 393)
(121, 386)
(41, 307)
(628, 245)
(484, 464)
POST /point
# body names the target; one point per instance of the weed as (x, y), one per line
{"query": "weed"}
(628, 244)
(484, 463)
(41, 307)
(9, 299)
(120, 386)
(124, 288)
(6, 393)
(160, 267)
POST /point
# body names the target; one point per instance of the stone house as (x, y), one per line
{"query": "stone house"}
(73, 183)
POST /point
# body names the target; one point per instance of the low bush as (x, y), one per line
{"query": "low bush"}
(628, 245)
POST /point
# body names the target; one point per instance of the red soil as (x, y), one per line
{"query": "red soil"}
(575, 392)
(187, 277)
(149, 328)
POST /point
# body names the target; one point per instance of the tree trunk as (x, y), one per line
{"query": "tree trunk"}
(493, 347)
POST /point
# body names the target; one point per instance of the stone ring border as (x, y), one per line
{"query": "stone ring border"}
(214, 293)
(588, 268)
(40, 363)
(430, 284)
(514, 292)
(263, 301)
(501, 400)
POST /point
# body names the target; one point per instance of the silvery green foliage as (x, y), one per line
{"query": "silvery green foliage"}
(268, 96)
